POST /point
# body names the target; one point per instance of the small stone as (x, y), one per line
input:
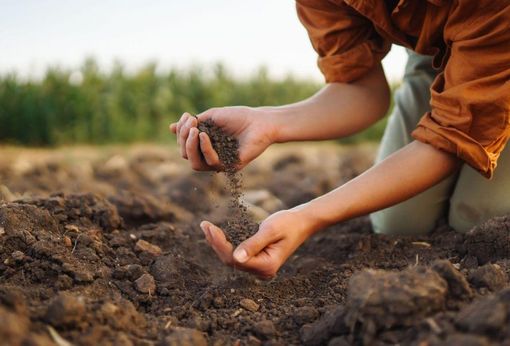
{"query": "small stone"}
(2, 231)
(145, 284)
(67, 241)
(145, 246)
(264, 329)
(184, 337)
(249, 305)
(65, 310)
(18, 255)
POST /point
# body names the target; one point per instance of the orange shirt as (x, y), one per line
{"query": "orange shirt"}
(470, 42)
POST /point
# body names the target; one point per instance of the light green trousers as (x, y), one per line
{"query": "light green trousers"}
(467, 199)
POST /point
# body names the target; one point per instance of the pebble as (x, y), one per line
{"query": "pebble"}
(249, 305)
(145, 284)
(67, 241)
(145, 246)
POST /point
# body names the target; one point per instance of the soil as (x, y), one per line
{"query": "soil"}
(104, 248)
(239, 225)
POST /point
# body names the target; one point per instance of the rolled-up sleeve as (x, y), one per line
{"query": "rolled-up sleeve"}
(470, 99)
(346, 42)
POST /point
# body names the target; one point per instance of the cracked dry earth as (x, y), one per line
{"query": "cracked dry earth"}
(102, 247)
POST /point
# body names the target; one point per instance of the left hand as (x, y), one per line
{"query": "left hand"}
(266, 251)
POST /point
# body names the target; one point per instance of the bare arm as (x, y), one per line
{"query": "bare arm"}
(337, 110)
(406, 173)
(411, 170)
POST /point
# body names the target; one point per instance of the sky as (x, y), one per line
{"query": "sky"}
(35, 34)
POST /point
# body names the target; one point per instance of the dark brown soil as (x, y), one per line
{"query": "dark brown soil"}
(117, 258)
(239, 225)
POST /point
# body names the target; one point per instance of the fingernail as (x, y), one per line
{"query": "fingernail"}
(240, 255)
(211, 232)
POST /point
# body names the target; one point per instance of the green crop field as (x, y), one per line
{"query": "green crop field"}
(116, 106)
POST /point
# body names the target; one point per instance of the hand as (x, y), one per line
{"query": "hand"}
(251, 126)
(266, 251)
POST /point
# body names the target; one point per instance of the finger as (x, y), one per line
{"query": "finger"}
(184, 133)
(254, 245)
(219, 242)
(210, 155)
(173, 127)
(180, 124)
(207, 233)
(193, 151)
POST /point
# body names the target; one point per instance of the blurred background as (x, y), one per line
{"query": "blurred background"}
(111, 71)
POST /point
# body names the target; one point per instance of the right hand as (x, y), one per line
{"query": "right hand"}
(251, 126)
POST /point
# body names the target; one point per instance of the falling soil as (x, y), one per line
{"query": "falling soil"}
(239, 225)
(115, 260)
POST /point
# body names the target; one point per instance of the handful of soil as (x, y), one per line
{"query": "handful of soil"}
(239, 225)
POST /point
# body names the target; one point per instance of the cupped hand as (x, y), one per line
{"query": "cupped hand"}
(265, 252)
(252, 127)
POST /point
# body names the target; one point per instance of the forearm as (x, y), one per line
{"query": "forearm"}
(336, 111)
(406, 173)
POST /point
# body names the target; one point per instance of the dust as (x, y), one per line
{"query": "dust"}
(239, 225)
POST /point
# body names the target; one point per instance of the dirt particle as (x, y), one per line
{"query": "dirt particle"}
(249, 305)
(490, 276)
(184, 337)
(483, 316)
(80, 275)
(490, 241)
(332, 323)
(145, 284)
(305, 314)
(145, 246)
(65, 310)
(68, 242)
(464, 340)
(458, 287)
(379, 299)
(264, 329)
(239, 224)
(18, 256)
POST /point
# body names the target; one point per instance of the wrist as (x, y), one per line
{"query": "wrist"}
(309, 218)
(276, 118)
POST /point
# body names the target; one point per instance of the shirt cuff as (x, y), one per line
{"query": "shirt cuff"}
(454, 141)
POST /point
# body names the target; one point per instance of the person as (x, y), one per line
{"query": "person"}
(448, 128)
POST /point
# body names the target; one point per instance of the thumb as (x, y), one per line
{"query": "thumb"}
(253, 245)
(208, 114)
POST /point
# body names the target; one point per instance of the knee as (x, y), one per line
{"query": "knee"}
(464, 215)
(393, 221)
